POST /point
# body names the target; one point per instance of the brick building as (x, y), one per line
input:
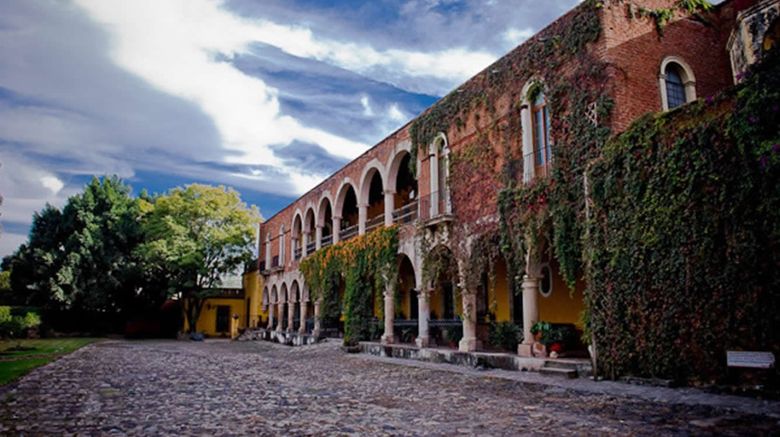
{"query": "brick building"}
(646, 62)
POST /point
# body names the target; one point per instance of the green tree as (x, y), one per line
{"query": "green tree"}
(82, 258)
(195, 236)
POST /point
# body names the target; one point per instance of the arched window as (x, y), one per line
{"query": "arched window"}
(677, 83)
(439, 156)
(281, 246)
(541, 133)
(675, 89)
(771, 37)
(537, 133)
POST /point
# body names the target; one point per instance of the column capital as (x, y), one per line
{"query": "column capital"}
(362, 205)
(389, 191)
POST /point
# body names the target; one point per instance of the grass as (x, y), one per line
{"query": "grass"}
(19, 357)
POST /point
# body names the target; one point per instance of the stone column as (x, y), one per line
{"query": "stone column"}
(388, 337)
(317, 319)
(280, 315)
(423, 314)
(362, 214)
(318, 238)
(530, 314)
(336, 229)
(434, 197)
(469, 341)
(302, 328)
(389, 207)
(290, 316)
(305, 243)
(271, 310)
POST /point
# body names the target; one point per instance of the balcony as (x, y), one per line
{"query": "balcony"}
(310, 248)
(326, 241)
(276, 264)
(348, 233)
(298, 253)
(440, 215)
(374, 223)
(407, 213)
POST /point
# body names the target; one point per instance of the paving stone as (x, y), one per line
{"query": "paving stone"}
(237, 388)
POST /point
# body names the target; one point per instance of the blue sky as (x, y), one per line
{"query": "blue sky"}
(267, 96)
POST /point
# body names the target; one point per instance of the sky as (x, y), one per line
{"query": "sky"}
(266, 96)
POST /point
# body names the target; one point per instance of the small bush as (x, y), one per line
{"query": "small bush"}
(17, 326)
(504, 335)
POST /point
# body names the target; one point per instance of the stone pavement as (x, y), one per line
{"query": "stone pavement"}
(236, 388)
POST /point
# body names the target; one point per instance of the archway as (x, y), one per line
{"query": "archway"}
(347, 208)
(309, 228)
(325, 219)
(445, 303)
(372, 194)
(407, 311)
(404, 183)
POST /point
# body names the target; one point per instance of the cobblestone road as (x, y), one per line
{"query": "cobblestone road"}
(217, 388)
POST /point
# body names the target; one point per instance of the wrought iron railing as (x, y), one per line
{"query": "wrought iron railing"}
(407, 213)
(298, 253)
(311, 247)
(375, 222)
(348, 233)
(426, 201)
(326, 241)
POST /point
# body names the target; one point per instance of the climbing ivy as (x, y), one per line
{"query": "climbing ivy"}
(366, 264)
(683, 245)
(662, 16)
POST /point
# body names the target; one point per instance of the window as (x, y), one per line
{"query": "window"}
(677, 83)
(540, 117)
(546, 281)
(675, 88)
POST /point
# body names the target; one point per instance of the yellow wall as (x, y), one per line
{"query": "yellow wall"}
(207, 322)
(563, 305)
(500, 299)
(253, 290)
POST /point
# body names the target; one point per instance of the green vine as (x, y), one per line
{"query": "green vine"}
(662, 16)
(683, 245)
(366, 264)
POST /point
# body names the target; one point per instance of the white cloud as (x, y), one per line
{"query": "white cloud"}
(366, 103)
(52, 183)
(395, 114)
(514, 36)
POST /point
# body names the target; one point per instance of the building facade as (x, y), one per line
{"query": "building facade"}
(440, 177)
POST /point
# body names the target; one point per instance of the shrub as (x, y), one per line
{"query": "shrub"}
(17, 326)
(504, 335)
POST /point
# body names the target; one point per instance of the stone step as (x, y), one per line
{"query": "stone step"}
(556, 371)
(560, 364)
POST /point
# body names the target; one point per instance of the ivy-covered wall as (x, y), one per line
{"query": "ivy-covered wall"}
(683, 245)
(365, 264)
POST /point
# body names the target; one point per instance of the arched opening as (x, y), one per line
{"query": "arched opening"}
(771, 37)
(407, 311)
(284, 308)
(273, 313)
(375, 212)
(279, 259)
(677, 83)
(349, 214)
(297, 237)
(540, 115)
(296, 302)
(438, 202)
(405, 198)
(309, 228)
(326, 221)
(446, 328)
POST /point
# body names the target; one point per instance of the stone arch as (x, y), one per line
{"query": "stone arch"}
(274, 294)
(341, 195)
(394, 165)
(443, 296)
(686, 75)
(438, 153)
(325, 200)
(266, 299)
(309, 219)
(283, 294)
(294, 291)
(373, 167)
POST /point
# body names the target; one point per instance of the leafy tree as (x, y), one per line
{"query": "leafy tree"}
(194, 236)
(82, 258)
